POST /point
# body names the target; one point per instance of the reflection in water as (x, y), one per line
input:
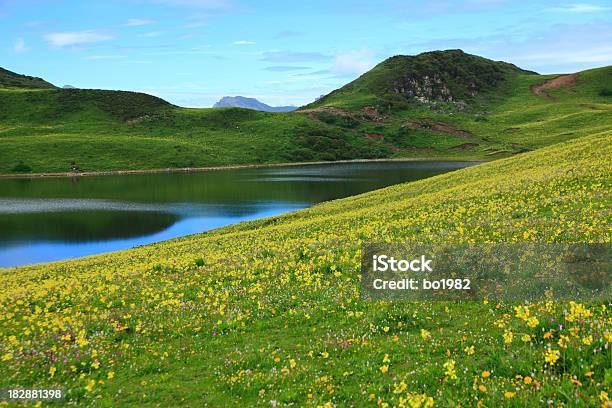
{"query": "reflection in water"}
(57, 218)
(82, 226)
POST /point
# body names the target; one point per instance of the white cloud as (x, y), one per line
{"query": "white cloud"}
(581, 8)
(243, 42)
(353, 62)
(20, 46)
(133, 22)
(75, 38)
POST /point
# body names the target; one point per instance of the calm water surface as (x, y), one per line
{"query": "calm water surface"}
(48, 219)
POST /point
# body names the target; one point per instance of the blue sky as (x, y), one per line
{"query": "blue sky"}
(192, 52)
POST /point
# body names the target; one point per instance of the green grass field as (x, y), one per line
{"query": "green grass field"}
(46, 129)
(268, 313)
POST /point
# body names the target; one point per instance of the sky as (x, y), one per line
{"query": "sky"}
(193, 52)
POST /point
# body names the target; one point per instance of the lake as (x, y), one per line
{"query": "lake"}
(47, 219)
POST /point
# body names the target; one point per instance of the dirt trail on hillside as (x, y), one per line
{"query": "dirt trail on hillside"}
(558, 82)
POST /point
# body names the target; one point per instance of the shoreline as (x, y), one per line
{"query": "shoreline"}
(222, 167)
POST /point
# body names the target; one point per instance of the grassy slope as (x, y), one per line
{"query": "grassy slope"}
(95, 136)
(269, 310)
(10, 79)
(54, 130)
(510, 121)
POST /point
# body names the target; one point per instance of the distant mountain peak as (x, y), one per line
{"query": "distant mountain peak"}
(250, 103)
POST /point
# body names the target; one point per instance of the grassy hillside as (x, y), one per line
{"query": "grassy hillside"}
(10, 79)
(442, 104)
(451, 76)
(57, 130)
(268, 312)
(495, 122)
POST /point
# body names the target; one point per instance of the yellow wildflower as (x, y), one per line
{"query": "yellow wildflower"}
(603, 397)
(400, 388)
(577, 311)
(532, 322)
(551, 356)
(420, 401)
(425, 334)
(449, 365)
(90, 385)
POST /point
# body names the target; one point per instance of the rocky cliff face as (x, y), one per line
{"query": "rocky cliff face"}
(425, 88)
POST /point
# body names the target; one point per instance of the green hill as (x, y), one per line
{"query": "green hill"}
(453, 102)
(433, 77)
(443, 104)
(268, 313)
(9, 79)
(78, 106)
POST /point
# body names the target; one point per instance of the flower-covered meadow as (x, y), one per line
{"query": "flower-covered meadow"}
(269, 312)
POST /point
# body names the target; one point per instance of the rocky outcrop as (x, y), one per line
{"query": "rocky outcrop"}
(425, 89)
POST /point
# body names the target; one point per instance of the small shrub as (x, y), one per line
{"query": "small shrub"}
(605, 92)
(327, 156)
(21, 167)
(337, 120)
